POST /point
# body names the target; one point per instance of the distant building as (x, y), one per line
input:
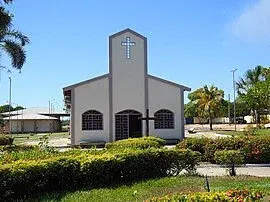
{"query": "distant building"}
(33, 120)
(32, 123)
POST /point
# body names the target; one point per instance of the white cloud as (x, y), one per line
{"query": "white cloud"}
(253, 23)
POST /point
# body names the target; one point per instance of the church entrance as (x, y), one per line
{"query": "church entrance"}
(127, 124)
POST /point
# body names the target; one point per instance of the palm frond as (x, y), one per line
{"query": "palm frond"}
(5, 22)
(18, 36)
(8, 1)
(15, 52)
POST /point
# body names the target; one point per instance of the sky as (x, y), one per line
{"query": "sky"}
(190, 42)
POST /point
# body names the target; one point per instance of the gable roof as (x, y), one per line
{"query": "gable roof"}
(30, 117)
(185, 88)
(34, 110)
(85, 82)
(127, 30)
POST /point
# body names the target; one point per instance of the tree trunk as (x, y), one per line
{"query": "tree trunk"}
(258, 117)
(232, 170)
(210, 122)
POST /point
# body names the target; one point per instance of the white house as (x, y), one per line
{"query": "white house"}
(31, 123)
(33, 120)
(110, 107)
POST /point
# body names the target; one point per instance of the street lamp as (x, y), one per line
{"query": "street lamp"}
(3, 67)
(234, 99)
(50, 110)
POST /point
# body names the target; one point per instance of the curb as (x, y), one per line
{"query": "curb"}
(242, 165)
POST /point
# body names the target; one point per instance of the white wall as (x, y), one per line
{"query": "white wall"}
(164, 96)
(29, 126)
(14, 126)
(92, 96)
(199, 120)
(128, 76)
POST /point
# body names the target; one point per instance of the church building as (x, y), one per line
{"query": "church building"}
(127, 102)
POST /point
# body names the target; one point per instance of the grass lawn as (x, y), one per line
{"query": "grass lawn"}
(159, 187)
(259, 132)
(24, 138)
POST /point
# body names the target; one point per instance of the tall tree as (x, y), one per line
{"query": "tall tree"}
(207, 102)
(12, 41)
(252, 88)
(251, 77)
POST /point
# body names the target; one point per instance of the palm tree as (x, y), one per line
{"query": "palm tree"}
(208, 101)
(251, 78)
(12, 42)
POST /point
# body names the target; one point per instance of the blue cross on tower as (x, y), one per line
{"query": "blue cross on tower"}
(128, 43)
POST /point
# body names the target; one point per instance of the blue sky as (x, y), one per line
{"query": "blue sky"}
(190, 42)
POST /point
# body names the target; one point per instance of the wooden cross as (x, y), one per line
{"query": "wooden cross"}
(147, 119)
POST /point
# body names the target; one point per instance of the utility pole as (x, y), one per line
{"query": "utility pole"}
(22, 123)
(229, 109)
(234, 99)
(9, 107)
(17, 120)
(50, 111)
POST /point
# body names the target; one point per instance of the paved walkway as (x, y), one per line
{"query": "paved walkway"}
(53, 142)
(250, 169)
(205, 134)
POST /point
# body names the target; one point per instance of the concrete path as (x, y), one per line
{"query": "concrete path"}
(253, 170)
(53, 142)
(205, 134)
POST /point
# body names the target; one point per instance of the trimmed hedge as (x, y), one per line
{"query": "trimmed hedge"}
(228, 196)
(137, 143)
(22, 179)
(6, 140)
(256, 149)
(16, 148)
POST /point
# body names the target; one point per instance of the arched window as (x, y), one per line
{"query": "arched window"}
(92, 120)
(164, 119)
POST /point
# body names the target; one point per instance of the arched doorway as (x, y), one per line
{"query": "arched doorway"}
(127, 124)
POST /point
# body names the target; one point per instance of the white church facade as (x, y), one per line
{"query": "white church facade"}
(115, 106)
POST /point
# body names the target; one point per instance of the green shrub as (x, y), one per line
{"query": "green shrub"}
(195, 144)
(228, 196)
(256, 149)
(230, 158)
(137, 143)
(15, 153)
(16, 148)
(6, 140)
(20, 179)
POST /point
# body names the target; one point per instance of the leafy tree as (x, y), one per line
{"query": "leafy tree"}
(242, 108)
(254, 90)
(258, 98)
(12, 41)
(190, 110)
(18, 108)
(5, 108)
(230, 158)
